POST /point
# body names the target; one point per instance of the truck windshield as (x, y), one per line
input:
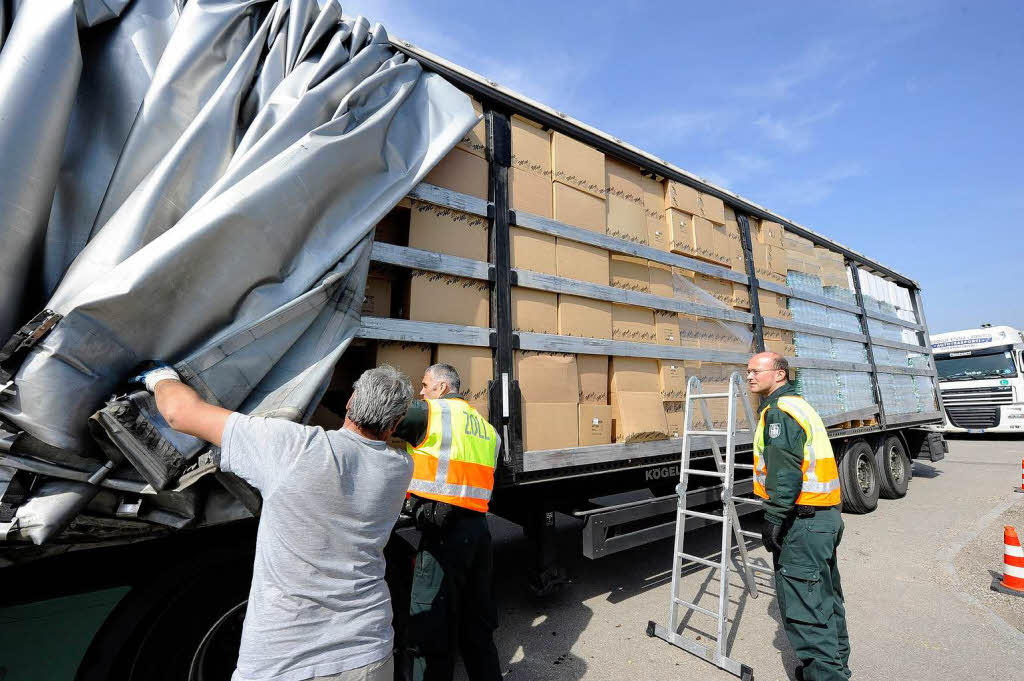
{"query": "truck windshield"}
(981, 366)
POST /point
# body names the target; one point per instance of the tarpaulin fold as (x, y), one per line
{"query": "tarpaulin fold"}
(210, 201)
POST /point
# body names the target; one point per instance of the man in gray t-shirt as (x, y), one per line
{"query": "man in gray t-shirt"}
(318, 605)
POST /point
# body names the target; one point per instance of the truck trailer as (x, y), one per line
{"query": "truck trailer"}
(574, 280)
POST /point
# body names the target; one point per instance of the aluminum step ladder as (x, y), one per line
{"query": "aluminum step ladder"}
(726, 466)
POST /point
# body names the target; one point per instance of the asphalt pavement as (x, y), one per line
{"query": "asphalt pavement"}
(916, 573)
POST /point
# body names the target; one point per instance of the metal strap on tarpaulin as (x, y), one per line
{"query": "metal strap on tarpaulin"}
(18, 345)
(224, 224)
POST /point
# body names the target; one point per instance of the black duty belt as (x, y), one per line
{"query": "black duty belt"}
(808, 511)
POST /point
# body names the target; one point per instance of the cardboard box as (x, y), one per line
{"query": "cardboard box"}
(578, 208)
(740, 296)
(638, 417)
(461, 171)
(443, 298)
(773, 305)
(675, 417)
(534, 311)
(475, 141)
(532, 250)
(680, 232)
(715, 335)
(770, 234)
(595, 424)
(770, 263)
(681, 197)
(654, 196)
(584, 317)
(547, 376)
(779, 341)
(710, 208)
(666, 326)
(412, 359)
(661, 279)
(531, 148)
(631, 323)
(795, 242)
(634, 374)
(722, 246)
(593, 378)
(475, 367)
(530, 193)
(672, 379)
(705, 239)
(689, 331)
(719, 289)
(625, 220)
(584, 262)
(550, 426)
(377, 297)
(658, 232)
(624, 181)
(443, 230)
(630, 273)
(577, 165)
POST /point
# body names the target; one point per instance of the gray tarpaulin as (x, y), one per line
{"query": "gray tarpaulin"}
(196, 184)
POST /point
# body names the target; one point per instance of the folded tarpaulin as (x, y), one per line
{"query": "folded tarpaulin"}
(221, 220)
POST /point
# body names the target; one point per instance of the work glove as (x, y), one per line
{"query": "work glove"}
(771, 537)
(156, 372)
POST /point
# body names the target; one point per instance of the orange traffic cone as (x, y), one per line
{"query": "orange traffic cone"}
(1013, 564)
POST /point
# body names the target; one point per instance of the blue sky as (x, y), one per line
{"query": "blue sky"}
(892, 127)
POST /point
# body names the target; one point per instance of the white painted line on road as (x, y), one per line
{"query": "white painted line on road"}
(948, 556)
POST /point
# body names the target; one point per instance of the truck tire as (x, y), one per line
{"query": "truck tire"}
(858, 478)
(184, 625)
(894, 469)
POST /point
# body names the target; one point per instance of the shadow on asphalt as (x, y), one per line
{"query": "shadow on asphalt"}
(924, 470)
(539, 633)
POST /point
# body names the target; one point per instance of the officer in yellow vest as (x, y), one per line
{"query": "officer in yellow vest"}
(453, 449)
(795, 473)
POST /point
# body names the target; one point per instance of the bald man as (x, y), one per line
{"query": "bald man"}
(795, 473)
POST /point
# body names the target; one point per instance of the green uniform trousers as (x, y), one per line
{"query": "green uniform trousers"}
(452, 606)
(811, 596)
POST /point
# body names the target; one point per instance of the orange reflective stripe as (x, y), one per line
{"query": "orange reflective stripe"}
(472, 474)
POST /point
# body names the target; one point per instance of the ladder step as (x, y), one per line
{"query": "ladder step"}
(752, 535)
(697, 471)
(694, 606)
(698, 514)
(745, 500)
(721, 433)
(744, 466)
(698, 559)
(702, 396)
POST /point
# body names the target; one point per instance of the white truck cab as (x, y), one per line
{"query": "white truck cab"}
(981, 378)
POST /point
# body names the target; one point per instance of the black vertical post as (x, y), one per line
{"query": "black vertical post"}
(926, 341)
(871, 347)
(748, 259)
(503, 393)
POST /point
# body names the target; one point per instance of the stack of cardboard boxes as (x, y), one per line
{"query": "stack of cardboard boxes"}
(580, 400)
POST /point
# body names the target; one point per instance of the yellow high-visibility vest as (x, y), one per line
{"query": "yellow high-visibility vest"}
(455, 461)
(820, 485)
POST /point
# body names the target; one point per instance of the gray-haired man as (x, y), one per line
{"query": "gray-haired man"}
(318, 605)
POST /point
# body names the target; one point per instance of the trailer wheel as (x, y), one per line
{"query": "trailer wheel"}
(184, 625)
(858, 478)
(893, 467)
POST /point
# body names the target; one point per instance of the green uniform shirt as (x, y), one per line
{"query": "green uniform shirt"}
(783, 457)
(413, 428)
